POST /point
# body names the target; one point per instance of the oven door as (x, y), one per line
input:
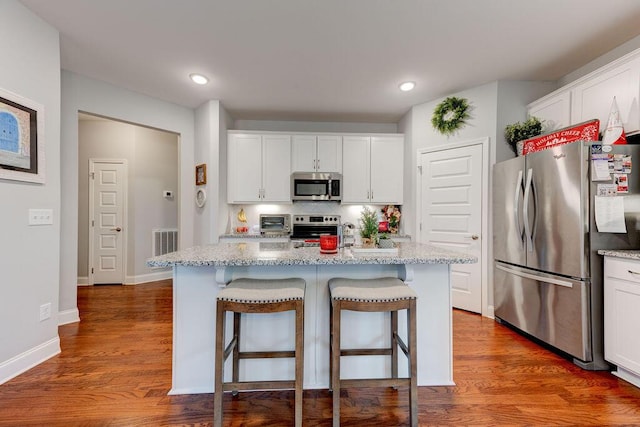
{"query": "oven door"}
(312, 231)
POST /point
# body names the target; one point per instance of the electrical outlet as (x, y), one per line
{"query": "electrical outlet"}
(40, 216)
(45, 311)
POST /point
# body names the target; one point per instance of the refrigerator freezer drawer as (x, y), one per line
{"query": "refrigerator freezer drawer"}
(551, 308)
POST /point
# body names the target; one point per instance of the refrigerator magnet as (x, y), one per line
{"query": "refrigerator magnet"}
(622, 184)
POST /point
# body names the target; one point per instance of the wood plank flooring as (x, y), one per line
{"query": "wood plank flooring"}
(115, 370)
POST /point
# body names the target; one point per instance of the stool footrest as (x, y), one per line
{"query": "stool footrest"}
(266, 354)
(366, 352)
(375, 382)
(259, 385)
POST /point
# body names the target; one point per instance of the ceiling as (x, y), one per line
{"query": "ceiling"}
(329, 60)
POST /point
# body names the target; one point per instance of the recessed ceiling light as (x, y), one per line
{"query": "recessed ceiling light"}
(199, 79)
(407, 86)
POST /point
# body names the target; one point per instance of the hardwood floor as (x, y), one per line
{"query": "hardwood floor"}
(115, 370)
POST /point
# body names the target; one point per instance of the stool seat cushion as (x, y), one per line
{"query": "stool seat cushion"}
(263, 291)
(382, 289)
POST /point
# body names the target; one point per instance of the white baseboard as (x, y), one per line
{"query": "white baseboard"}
(490, 312)
(68, 316)
(135, 280)
(150, 277)
(27, 360)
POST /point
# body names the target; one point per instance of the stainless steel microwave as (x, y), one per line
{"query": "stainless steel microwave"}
(316, 186)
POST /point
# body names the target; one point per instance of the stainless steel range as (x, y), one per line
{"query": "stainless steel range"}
(310, 227)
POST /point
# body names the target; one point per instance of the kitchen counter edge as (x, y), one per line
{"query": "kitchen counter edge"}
(627, 253)
(262, 254)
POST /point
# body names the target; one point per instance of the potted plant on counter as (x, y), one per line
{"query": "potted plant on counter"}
(369, 227)
(385, 241)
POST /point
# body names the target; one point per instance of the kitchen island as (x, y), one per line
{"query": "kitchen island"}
(199, 273)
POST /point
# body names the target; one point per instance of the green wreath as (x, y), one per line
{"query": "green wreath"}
(450, 115)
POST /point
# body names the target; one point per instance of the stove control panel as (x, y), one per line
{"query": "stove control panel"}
(316, 219)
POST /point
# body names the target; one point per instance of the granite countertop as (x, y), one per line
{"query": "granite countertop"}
(256, 253)
(627, 253)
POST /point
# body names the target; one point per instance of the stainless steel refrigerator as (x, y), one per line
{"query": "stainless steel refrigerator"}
(548, 277)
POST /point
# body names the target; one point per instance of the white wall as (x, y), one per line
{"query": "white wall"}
(152, 161)
(600, 61)
(29, 256)
(80, 93)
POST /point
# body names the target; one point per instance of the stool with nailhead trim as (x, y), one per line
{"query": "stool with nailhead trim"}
(258, 296)
(374, 295)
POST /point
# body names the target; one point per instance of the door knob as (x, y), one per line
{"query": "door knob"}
(473, 237)
(118, 229)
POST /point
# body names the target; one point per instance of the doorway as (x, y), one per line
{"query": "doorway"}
(150, 198)
(453, 211)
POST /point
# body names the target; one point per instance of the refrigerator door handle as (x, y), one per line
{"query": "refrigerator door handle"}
(549, 280)
(516, 206)
(525, 210)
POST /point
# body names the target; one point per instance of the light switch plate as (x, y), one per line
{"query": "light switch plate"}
(40, 216)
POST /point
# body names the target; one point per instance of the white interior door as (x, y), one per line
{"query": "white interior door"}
(107, 189)
(451, 214)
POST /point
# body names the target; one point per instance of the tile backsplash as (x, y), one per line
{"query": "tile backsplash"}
(348, 213)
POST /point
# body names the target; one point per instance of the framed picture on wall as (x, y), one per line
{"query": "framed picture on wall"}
(21, 138)
(201, 174)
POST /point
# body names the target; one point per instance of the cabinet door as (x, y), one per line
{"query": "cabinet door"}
(387, 161)
(592, 99)
(276, 168)
(329, 153)
(244, 171)
(554, 110)
(303, 153)
(355, 172)
(621, 314)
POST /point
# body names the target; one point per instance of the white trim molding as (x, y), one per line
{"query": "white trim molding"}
(27, 360)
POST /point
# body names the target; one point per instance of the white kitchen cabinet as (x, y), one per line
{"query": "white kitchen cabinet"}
(592, 98)
(622, 317)
(554, 109)
(373, 169)
(316, 153)
(259, 168)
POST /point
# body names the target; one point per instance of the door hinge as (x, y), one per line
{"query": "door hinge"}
(92, 175)
(91, 270)
(420, 169)
(420, 226)
(93, 223)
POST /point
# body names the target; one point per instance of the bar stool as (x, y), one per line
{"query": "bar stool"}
(374, 295)
(257, 296)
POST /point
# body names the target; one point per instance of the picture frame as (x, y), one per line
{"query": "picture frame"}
(22, 145)
(201, 174)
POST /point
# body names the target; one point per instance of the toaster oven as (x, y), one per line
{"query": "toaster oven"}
(275, 224)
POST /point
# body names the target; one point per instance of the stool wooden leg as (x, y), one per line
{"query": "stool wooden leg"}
(335, 360)
(219, 365)
(236, 349)
(299, 362)
(413, 364)
(394, 344)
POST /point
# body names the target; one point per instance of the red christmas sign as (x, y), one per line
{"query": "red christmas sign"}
(587, 131)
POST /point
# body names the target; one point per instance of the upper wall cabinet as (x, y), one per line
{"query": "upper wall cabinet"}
(554, 110)
(373, 169)
(591, 96)
(316, 153)
(259, 168)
